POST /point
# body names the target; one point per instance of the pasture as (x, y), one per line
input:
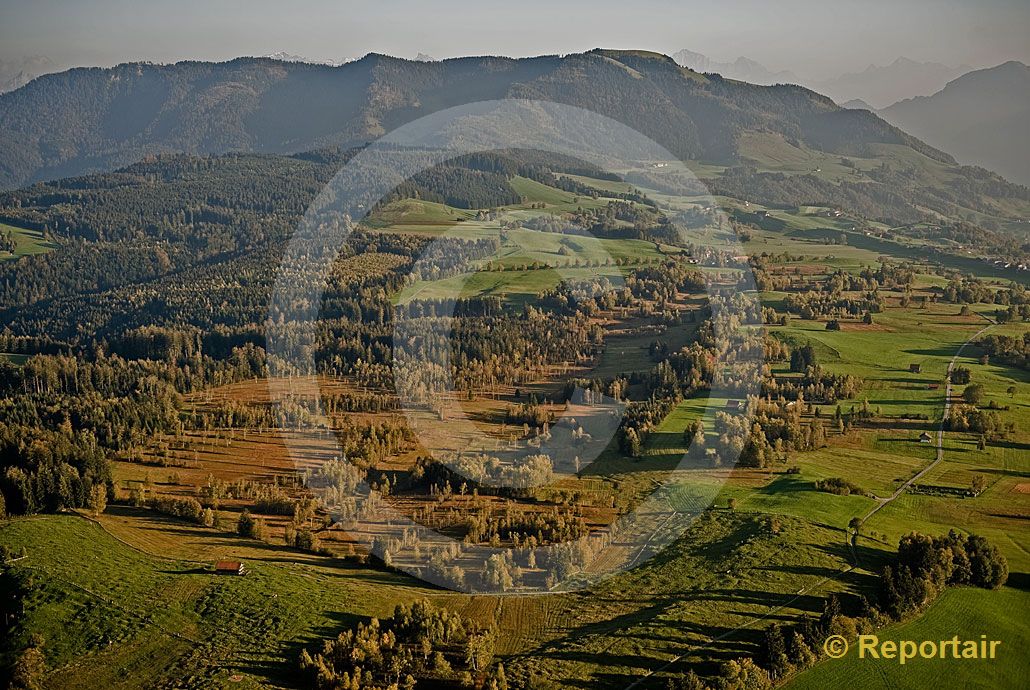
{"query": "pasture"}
(26, 242)
(157, 615)
(528, 262)
(966, 612)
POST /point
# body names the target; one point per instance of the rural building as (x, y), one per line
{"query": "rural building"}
(915, 368)
(733, 405)
(229, 568)
(925, 437)
(933, 386)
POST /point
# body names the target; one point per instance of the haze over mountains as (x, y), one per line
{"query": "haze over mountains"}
(283, 56)
(857, 104)
(17, 73)
(880, 86)
(93, 119)
(742, 68)
(876, 86)
(982, 118)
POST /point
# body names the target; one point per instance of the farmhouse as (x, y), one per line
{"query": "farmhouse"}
(733, 404)
(925, 437)
(915, 368)
(229, 568)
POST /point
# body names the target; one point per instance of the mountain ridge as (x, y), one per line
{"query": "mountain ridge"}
(981, 117)
(95, 119)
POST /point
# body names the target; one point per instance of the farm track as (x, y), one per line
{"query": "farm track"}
(882, 502)
(940, 430)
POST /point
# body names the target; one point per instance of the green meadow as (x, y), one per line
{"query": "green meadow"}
(27, 242)
(965, 612)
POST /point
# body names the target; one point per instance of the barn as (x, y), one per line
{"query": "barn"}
(229, 568)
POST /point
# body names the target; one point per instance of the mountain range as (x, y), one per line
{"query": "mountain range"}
(875, 87)
(741, 69)
(92, 119)
(879, 86)
(982, 117)
(283, 56)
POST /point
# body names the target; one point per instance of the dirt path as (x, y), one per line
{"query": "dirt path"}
(940, 429)
(882, 502)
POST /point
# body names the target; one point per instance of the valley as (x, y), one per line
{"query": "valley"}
(750, 373)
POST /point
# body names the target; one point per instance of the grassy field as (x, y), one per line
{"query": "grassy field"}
(150, 618)
(429, 217)
(965, 612)
(27, 242)
(704, 597)
(629, 352)
(926, 337)
(534, 261)
(773, 153)
(517, 286)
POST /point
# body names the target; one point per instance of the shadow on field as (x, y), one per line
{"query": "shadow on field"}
(1015, 445)
(808, 602)
(909, 402)
(910, 379)
(934, 352)
(1003, 472)
(902, 425)
(1020, 581)
(198, 570)
(820, 571)
(230, 546)
(279, 666)
(871, 560)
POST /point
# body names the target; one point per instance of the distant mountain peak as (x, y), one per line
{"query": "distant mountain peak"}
(740, 68)
(881, 85)
(857, 104)
(14, 75)
(283, 56)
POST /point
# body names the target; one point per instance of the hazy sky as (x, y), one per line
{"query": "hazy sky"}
(810, 37)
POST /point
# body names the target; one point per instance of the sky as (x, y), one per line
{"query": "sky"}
(815, 39)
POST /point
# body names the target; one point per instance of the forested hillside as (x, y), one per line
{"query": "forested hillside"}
(100, 119)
